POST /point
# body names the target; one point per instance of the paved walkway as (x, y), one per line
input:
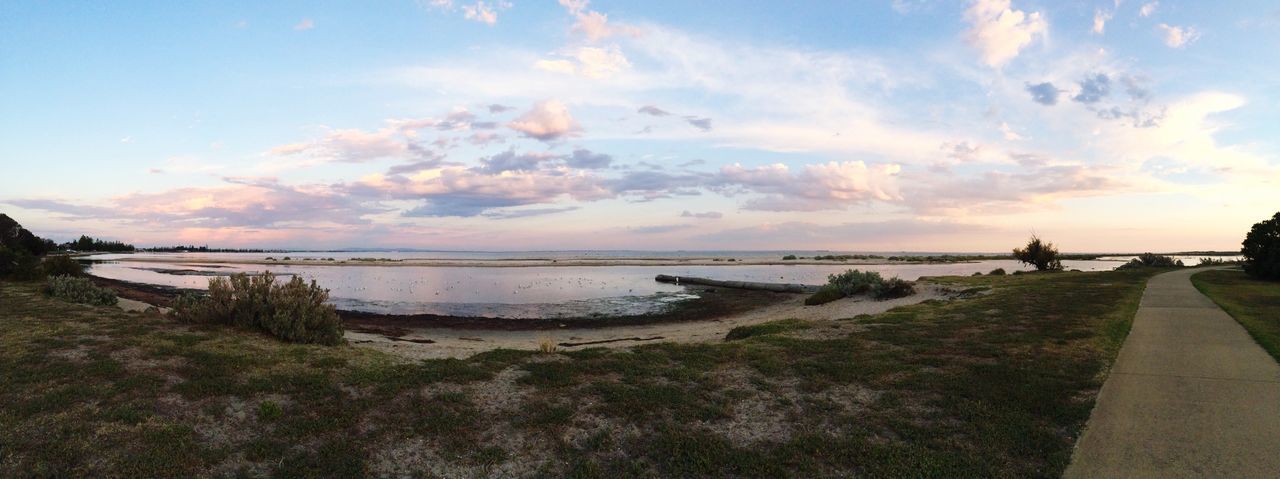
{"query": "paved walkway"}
(1191, 395)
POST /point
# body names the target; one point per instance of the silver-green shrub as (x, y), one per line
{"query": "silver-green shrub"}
(296, 311)
(80, 290)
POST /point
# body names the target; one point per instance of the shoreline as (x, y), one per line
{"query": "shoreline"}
(531, 263)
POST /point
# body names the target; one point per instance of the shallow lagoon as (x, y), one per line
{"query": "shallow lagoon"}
(521, 292)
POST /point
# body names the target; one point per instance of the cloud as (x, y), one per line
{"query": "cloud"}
(1034, 183)
(589, 62)
(62, 207)
(1000, 32)
(527, 212)
(709, 215)
(703, 124)
(1148, 9)
(595, 26)
(497, 108)
(822, 186)
(471, 192)
(1043, 93)
(305, 24)
(575, 6)
(652, 111)
(1178, 37)
(397, 139)
(659, 229)
(888, 234)
(1093, 89)
(510, 161)
(1100, 19)
(481, 12)
(585, 159)
(547, 121)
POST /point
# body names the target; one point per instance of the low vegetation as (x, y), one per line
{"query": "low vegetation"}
(1043, 255)
(1261, 249)
(1211, 261)
(1151, 260)
(1253, 302)
(854, 282)
(997, 385)
(61, 265)
(789, 257)
(997, 272)
(79, 290)
(294, 311)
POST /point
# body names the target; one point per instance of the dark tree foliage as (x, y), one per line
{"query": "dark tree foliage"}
(1040, 254)
(88, 243)
(1261, 249)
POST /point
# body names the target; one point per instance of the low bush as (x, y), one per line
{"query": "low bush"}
(1208, 261)
(62, 265)
(997, 272)
(893, 288)
(80, 290)
(1151, 260)
(294, 311)
(854, 282)
(789, 257)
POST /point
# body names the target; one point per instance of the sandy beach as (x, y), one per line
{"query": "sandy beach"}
(434, 343)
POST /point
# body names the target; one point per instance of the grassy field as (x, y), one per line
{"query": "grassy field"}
(1254, 303)
(996, 385)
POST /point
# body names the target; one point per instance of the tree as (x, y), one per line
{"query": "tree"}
(1261, 249)
(1040, 254)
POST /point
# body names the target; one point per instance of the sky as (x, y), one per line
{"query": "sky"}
(897, 125)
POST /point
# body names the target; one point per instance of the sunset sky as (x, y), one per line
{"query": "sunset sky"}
(514, 125)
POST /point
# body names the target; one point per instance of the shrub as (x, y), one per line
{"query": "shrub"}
(789, 257)
(1151, 260)
(825, 295)
(62, 265)
(893, 288)
(1207, 261)
(1261, 249)
(19, 264)
(269, 410)
(295, 311)
(80, 290)
(1040, 254)
(997, 272)
(854, 282)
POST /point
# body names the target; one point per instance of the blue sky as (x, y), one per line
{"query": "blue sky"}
(896, 125)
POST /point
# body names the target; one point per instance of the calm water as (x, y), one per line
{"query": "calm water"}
(551, 291)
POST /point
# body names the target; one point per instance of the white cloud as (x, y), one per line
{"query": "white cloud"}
(547, 121)
(1100, 19)
(1148, 9)
(590, 62)
(480, 12)
(305, 24)
(1000, 32)
(1178, 37)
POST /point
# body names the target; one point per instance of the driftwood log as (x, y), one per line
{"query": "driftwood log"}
(775, 287)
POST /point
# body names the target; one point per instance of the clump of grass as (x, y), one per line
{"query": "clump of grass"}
(269, 411)
(997, 272)
(771, 327)
(295, 311)
(1151, 260)
(80, 290)
(825, 295)
(1209, 261)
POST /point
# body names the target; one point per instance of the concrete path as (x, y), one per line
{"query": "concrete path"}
(1191, 395)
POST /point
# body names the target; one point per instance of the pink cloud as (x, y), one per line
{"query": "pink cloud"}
(547, 121)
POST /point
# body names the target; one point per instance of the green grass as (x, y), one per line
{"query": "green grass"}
(997, 384)
(1254, 303)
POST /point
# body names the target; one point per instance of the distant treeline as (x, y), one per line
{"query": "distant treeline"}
(946, 258)
(88, 243)
(204, 249)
